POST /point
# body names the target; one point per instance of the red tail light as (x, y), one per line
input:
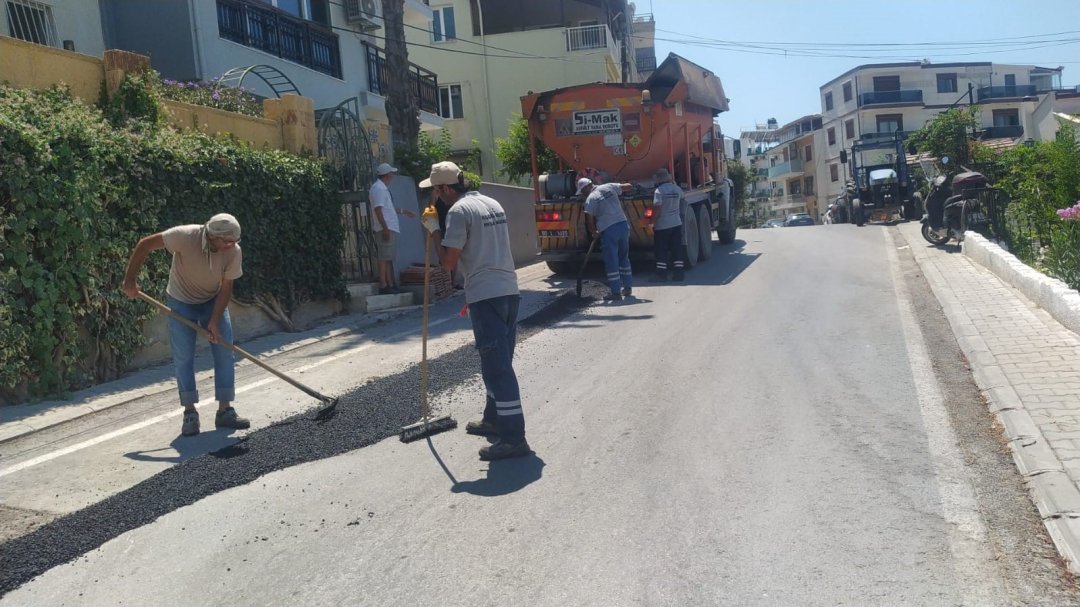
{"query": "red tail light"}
(648, 213)
(548, 216)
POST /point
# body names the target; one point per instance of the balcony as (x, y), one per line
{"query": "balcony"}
(791, 166)
(592, 37)
(1001, 132)
(1005, 92)
(267, 29)
(646, 64)
(889, 97)
(424, 82)
(787, 203)
(887, 136)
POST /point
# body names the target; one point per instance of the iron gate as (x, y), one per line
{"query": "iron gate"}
(344, 143)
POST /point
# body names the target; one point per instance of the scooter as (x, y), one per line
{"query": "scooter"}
(950, 208)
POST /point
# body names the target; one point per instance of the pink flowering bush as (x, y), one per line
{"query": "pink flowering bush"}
(1071, 213)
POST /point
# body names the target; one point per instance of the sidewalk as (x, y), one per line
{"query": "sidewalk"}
(1027, 365)
(20, 420)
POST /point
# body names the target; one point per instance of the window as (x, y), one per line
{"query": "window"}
(808, 185)
(1006, 117)
(849, 128)
(442, 26)
(847, 92)
(312, 10)
(890, 123)
(886, 83)
(32, 22)
(807, 154)
(795, 188)
(828, 101)
(832, 135)
(834, 172)
(946, 83)
(450, 101)
(1010, 79)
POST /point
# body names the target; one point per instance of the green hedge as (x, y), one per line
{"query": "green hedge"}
(79, 187)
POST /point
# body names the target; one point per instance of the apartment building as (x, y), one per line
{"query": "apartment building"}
(489, 54)
(880, 99)
(74, 26)
(790, 168)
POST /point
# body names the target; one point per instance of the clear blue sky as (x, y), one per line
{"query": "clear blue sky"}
(744, 42)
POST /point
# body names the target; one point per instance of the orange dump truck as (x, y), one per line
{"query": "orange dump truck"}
(623, 133)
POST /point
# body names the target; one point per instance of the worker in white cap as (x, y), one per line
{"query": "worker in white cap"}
(606, 217)
(206, 259)
(386, 226)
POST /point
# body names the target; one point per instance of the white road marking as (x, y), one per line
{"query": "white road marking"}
(164, 416)
(967, 531)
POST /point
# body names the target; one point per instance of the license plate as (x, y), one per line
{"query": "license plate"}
(554, 233)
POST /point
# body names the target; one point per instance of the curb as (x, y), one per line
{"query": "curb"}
(1053, 492)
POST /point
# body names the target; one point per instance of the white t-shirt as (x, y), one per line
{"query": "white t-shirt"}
(380, 197)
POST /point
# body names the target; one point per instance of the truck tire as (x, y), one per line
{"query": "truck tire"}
(704, 232)
(859, 217)
(690, 235)
(562, 267)
(725, 231)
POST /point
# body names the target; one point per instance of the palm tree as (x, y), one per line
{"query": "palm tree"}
(402, 109)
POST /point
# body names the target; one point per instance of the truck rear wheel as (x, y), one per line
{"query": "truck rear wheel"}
(859, 218)
(690, 235)
(704, 232)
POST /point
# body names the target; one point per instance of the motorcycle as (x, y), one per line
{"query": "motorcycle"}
(951, 207)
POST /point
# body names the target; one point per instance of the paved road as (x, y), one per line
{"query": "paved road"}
(793, 426)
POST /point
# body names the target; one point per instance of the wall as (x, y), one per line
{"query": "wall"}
(520, 217)
(32, 66)
(150, 28)
(260, 132)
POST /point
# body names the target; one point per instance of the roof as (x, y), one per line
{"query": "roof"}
(999, 144)
(703, 87)
(919, 64)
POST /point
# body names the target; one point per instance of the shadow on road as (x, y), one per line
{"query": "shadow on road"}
(504, 477)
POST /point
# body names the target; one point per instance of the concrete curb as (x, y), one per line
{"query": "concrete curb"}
(1053, 492)
(1048, 293)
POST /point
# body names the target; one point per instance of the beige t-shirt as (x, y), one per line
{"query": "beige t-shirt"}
(192, 278)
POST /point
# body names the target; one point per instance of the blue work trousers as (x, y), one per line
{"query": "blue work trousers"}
(494, 323)
(182, 340)
(616, 243)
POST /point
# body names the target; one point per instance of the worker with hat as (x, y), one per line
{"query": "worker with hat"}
(206, 259)
(606, 218)
(478, 238)
(669, 209)
(386, 226)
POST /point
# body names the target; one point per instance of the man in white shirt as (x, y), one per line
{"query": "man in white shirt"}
(386, 226)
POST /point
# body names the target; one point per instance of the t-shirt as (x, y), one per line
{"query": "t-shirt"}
(603, 203)
(194, 278)
(476, 225)
(380, 197)
(668, 205)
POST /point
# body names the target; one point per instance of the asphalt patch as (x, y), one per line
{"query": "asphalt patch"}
(366, 415)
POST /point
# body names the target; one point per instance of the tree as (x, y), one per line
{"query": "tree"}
(513, 152)
(402, 108)
(947, 134)
(743, 177)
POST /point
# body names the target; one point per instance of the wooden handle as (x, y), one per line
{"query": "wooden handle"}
(425, 410)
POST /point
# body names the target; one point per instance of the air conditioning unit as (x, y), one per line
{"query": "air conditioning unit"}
(365, 13)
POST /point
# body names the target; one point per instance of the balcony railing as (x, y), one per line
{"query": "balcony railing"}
(590, 37)
(424, 82)
(258, 26)
(791, 166)
(1000, 132)
(646, 63)
(885, 135)
(999, 92)
(881, 97)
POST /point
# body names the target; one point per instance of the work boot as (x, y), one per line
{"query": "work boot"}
(613, 296)
(627, 292)
(659, 278)
(503, 450)
(481, 428)
(679, 276)
(227, 418)
(191, 423)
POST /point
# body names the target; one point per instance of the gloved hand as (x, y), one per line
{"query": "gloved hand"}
(430, 219)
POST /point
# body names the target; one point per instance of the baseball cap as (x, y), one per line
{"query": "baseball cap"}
(385, 169)
(582, 183)
(442, 173)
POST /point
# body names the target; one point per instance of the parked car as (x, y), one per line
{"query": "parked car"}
(773, 223)
(798, 219)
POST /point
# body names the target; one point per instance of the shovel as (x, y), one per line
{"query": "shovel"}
(581, 273)
(330, 404)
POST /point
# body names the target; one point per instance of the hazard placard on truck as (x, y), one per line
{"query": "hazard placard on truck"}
(623, 133)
